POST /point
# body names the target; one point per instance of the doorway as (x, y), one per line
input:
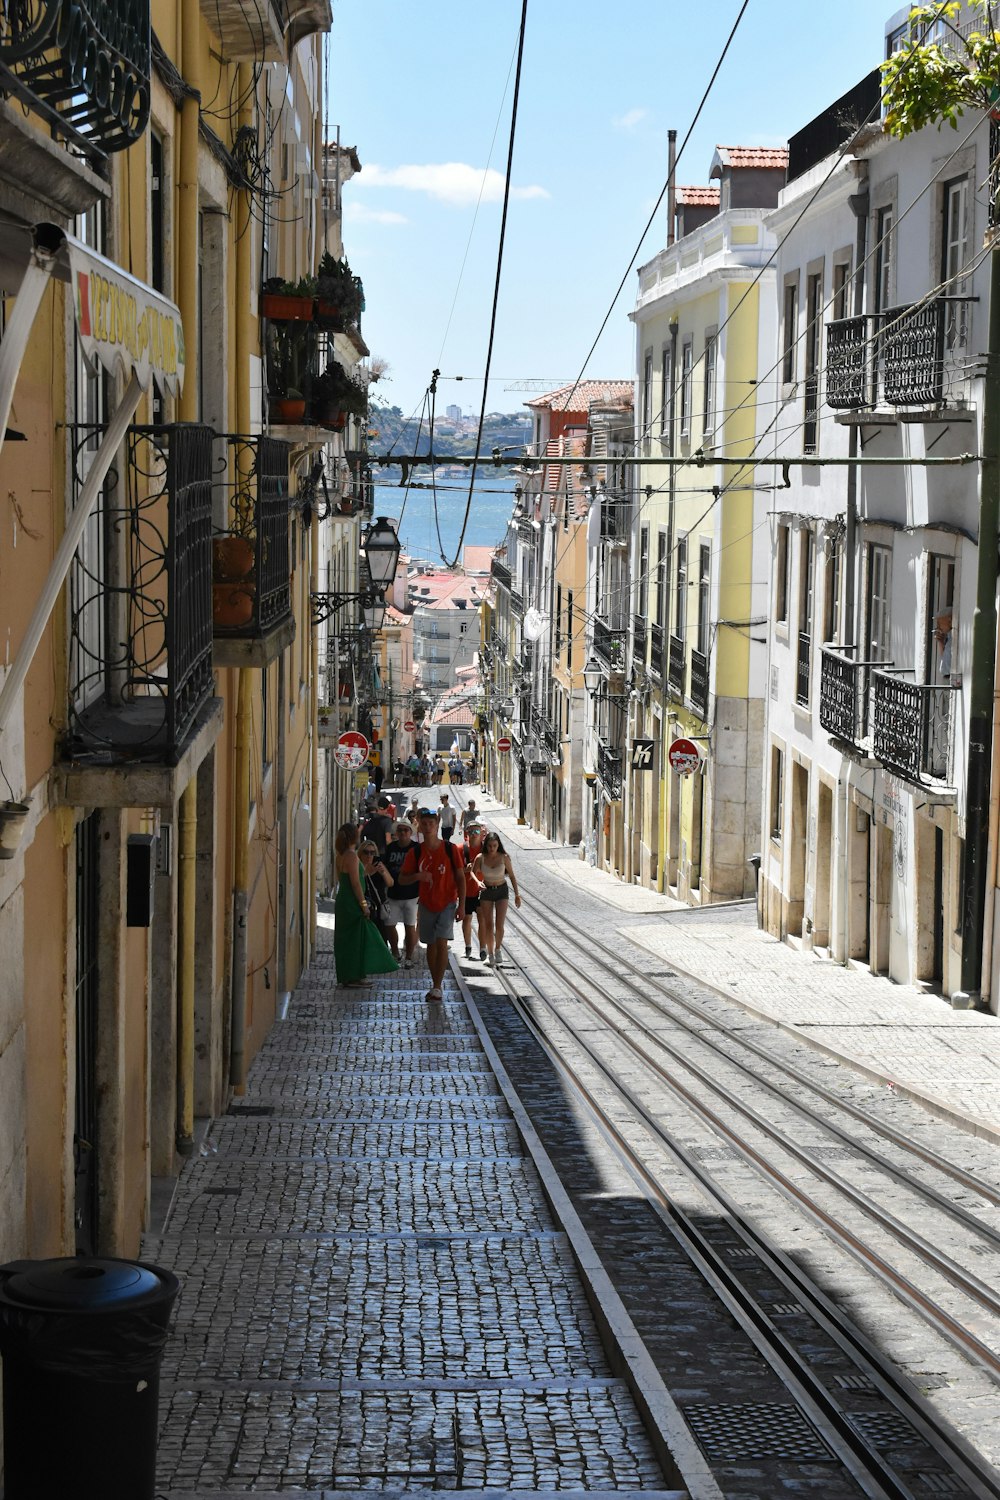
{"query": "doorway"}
(85, 1121)
(823, 856)
(797, 853)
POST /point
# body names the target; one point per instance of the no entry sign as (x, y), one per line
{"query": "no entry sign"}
(351, 750)
(409, 726)
(503, 744)
(684, 756)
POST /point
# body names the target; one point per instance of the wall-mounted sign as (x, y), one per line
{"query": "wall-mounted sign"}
(684, 757)
(642, 755)
(124, 325)
(409, 726)
(351, 750)
(503, 744)
(538, 768)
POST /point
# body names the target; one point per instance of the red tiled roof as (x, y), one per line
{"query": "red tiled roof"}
(477, 559)
(753, 156)
(585, 394)
(698, 196)
(442, 590)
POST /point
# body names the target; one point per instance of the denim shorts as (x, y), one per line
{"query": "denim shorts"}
(499, 892)
(437, 924)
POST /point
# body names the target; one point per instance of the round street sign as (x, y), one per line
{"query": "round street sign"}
(503, 744)
(351, 750)
(684, 756)
(409, 726)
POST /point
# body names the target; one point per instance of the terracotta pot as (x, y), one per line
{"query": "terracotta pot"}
(290, 410)
(232, 605)
(13, 816)
(232, 558)
(329, 315)
(282, 309)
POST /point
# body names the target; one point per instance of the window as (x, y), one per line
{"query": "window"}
(807, 560)
(831, 603)
(781, 576)
(643, 595)
(704, 596)
(940, 614)
(841, 289)
(777, 792)
(687, 363)
(711, 354)
(814, 328)
(661, 577)
(954, 258)
(879, 583)
(558, 636)
(647, 395)
(884, 279)
(681, 579)
(789, 329)
(666, 382)
(569, 635)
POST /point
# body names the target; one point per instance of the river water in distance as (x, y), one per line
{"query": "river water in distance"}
(492, 503)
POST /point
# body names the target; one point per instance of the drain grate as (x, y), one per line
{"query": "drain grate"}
(854, 1382)
(259, 1111)
(731, 1434)
(884, 1429)
(943, 1484)
(832, 1153)
(740, 1252)
(786, 1309)
(715, 1153)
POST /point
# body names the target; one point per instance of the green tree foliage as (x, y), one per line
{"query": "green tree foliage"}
(930, 81)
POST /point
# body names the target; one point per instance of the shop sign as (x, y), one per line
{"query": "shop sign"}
(642, 755)
(124, 325)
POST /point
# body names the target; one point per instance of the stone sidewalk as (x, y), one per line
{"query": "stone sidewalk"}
(896, 1034)
(374, 1294)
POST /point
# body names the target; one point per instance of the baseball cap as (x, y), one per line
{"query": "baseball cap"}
(428, 812)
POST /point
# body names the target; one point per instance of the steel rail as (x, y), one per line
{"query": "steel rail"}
(879, 1127)
(802, 1382)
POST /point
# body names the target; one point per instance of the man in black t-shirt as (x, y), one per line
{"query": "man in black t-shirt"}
(402, 903)
(379, 826)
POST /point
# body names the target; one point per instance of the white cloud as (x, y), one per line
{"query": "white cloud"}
(630, 119)
(359, 214)
(449, 182)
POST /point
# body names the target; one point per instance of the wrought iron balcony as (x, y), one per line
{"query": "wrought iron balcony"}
(257, 606)
(893, 358)
(676, 664)
(803, 669)
(843, 694)
(501, 573)
(639, 640)
(141, 600)
(516, 602)
(912, 725)
(84, 68)
(609, 770)
(656, 649)
(699, 682)
(616, 521)
(848, 364)
(499, 646)
(609, 645)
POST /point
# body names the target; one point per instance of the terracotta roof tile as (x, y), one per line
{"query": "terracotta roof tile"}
(753, 156)
(698, 196)
(585, 394)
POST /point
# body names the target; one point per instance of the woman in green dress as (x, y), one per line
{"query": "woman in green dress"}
(358, 947)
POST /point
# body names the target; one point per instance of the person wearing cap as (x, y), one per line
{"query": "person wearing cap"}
(403, 903)
(440, 872)
(447, 817)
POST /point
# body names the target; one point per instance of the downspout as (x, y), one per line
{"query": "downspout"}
(314, 750)
(859, 203)
(671, 185)
(187, 909)
(246, 345)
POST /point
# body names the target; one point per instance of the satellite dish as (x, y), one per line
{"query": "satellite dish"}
(534, 624)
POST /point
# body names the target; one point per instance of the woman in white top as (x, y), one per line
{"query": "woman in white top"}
(494, 869)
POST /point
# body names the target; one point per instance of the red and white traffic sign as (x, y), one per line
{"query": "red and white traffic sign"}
(684, 756)
(351, 750)
(409, 726)
(503, 744)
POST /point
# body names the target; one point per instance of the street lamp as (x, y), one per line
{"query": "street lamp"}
(592, 676)
(381, 549)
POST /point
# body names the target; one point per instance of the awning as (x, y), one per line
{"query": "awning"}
(125, 326)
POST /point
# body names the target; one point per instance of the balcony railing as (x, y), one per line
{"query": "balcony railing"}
(501, 573)
(85, 68)
(257, 480)
(609, 769)
(609, 645)
(893, 358)
(676, 663)
(639, 635)
(616, 521)
(843, 695)
(657, 653)
(804, 666)
(141, 600)
(699, 682)
(499, 646)
(516, 602)
(911, 726)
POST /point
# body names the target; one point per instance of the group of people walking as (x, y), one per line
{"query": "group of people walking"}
(410, 873)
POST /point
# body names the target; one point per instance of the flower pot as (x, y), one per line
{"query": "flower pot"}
(282, 309)
(332, 418)
(13, 817)
(329, 315)
(232, 605)
(232, 558)
(291, 410)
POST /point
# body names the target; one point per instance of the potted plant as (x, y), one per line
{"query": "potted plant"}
(291, 359)
(289, 301)
(336, 396)
(232, 557)
(339, 295)
(13, 816)
(232, 604)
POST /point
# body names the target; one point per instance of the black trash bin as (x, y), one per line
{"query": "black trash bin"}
(82, 1342)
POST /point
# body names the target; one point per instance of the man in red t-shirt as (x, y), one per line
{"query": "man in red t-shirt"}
(438, 869)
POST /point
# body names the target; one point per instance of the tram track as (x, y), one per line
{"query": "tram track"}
(817, 1401)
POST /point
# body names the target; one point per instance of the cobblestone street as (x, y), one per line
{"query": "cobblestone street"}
(374, 1294)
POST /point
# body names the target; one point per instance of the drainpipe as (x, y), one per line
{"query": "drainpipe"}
(982, 672)
(187, 210)
(671, 185)
(187, 906)
(314, 752)
(246, 345)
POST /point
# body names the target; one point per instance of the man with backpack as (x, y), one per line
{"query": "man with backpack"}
(380, 825)
(438, 869)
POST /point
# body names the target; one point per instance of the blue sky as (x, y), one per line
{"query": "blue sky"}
(418, 86)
